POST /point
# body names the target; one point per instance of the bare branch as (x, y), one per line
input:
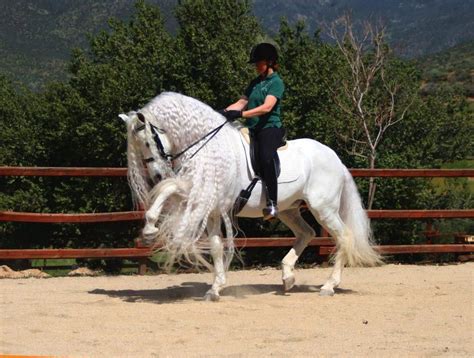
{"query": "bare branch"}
(367, 57)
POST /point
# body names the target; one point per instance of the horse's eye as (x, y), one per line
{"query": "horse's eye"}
(141, 117)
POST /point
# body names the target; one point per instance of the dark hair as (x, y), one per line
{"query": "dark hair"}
(264, 51)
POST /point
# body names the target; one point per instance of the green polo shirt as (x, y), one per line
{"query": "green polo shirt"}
(256, 93)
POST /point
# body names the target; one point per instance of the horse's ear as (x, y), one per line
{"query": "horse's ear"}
(141, 117)
(124, 117)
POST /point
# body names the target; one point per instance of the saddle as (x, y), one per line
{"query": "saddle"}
(253, 144)
(253, 149)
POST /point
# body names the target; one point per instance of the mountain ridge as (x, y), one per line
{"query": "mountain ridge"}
(36, 36)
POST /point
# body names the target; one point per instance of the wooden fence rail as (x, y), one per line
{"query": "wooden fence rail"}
(120, 172)
(326, 245)
(12, 216)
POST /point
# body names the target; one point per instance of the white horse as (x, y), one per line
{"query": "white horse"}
(199, 164)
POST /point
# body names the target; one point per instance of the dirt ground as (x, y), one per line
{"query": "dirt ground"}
(394, 310)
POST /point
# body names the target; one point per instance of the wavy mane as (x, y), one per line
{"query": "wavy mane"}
(212, 173)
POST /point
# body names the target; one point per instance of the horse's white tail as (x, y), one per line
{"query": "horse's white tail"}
(356, 246)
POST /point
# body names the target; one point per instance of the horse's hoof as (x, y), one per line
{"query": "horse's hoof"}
(326, 292)
(149, 234)
(211, 296)
(150, 231)
(288, 283)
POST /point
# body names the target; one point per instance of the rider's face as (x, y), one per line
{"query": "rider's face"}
(261, 67)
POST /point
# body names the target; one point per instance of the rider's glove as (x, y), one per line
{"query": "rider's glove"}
(230, 115)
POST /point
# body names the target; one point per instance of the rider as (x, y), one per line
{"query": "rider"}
(260, 107)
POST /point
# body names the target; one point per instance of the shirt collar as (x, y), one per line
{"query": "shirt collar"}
(269, 77)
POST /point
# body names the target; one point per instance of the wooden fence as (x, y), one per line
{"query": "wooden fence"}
(325, 245)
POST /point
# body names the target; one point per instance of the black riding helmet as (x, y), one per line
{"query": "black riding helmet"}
(264, 51)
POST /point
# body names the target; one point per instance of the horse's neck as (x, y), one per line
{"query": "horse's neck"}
(181, 141)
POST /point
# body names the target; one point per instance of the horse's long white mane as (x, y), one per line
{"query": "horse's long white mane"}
(212, 173)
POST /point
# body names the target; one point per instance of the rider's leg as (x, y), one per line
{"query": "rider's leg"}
(303, 233)
(269, 139)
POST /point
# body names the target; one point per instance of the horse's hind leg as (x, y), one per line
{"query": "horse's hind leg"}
(217, 252)
(332, 222)
(303, 233)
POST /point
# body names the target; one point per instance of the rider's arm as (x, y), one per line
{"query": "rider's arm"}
(266, 107)
(239, 105)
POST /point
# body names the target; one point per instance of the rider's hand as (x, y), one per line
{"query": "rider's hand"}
(231, 115)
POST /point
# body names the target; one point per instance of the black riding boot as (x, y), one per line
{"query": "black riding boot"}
(271, 186)
(271, 211)
(269, 139)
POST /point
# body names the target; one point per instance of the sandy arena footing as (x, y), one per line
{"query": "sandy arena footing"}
(394, 310)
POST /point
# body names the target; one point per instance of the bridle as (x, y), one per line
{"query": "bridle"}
(159, 144)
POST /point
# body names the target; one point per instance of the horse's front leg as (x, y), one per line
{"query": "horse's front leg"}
(158, 195)
(217, 252)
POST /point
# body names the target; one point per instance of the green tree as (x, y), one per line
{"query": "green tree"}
(213, 43)
(435, 131)
(21, 145)
(124, 69)
(306, 69)
(78, 125)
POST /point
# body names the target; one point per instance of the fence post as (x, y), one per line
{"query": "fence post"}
(430, 232)
(142, 261)
(142, 267)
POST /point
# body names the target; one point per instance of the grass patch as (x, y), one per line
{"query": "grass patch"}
(40, 263)
(61, 267)
(441, 183)
(467, 163)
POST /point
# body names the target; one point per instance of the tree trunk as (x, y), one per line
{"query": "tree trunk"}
(372, 183)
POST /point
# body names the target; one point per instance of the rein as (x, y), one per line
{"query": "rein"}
(212, 134)
(170, 157)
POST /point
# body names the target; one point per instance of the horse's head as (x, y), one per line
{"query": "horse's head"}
(150, 144)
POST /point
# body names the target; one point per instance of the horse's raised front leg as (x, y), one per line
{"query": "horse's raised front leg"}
(217, 252)
(303, 233)
(159, 195)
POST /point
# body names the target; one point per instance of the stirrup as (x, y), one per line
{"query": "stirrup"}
(271, 211)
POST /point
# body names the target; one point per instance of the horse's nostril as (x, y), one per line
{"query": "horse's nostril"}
(158, 177)
(147, 145)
